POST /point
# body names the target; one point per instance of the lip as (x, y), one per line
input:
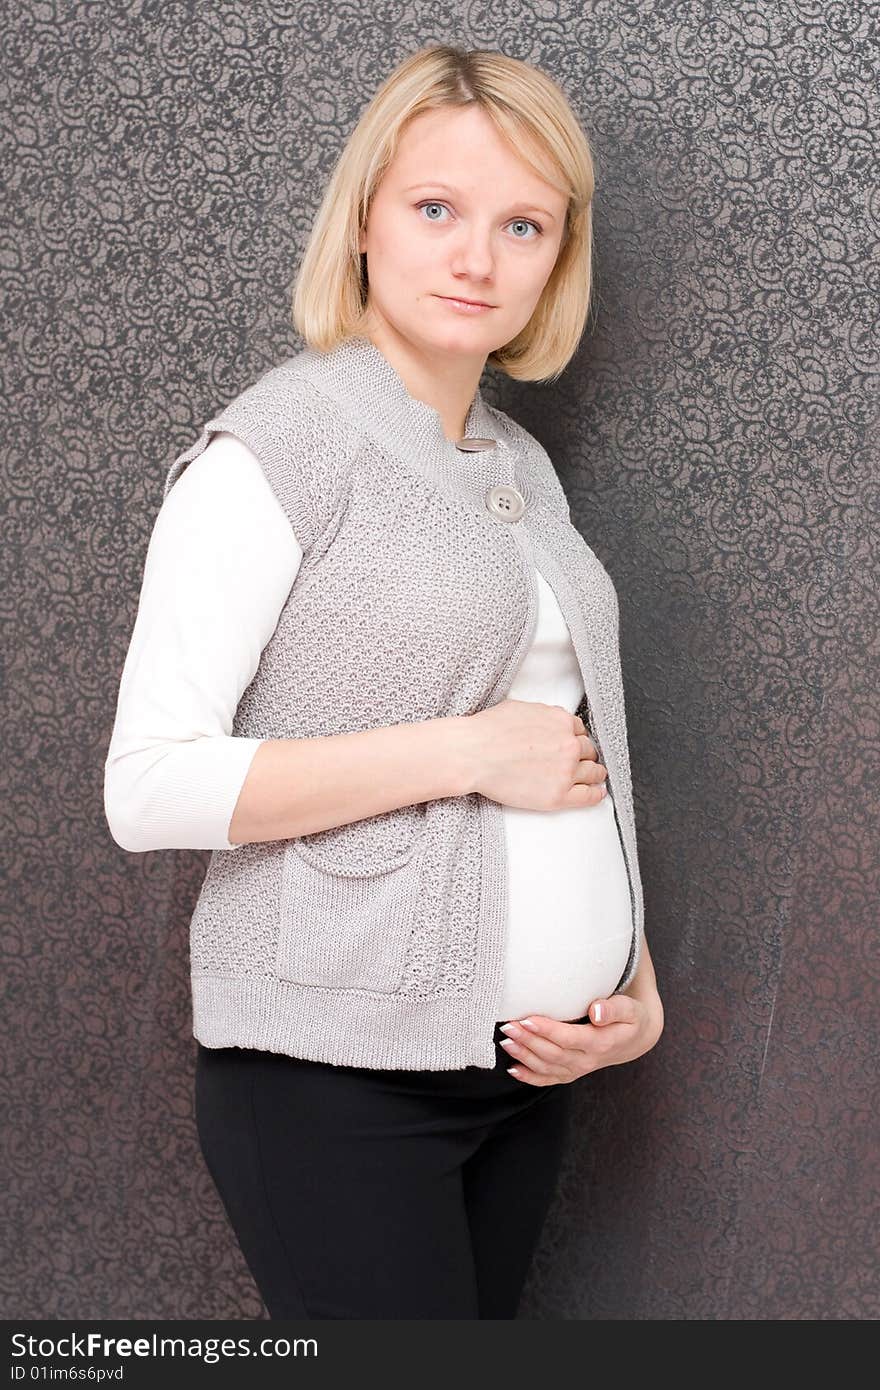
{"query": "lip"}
(460, 299)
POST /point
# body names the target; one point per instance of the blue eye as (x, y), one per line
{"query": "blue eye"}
(527, 222)
(522, 221)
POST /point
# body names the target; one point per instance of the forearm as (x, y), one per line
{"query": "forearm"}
(299, 786)
(173, 793)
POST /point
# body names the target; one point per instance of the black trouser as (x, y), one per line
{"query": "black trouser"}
(363, 1193)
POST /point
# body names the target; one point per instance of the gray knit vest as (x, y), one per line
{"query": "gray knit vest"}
(380, 943)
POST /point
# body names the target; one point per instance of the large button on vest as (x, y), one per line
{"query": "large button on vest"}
(505, 502)
(471, 444)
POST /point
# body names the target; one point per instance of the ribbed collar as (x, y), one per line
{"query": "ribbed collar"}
(365, 384)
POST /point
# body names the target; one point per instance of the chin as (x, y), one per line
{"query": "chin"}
(470, 332)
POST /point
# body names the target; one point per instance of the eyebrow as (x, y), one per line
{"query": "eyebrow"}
(433, 183)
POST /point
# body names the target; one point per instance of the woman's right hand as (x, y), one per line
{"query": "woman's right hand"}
(535, 756)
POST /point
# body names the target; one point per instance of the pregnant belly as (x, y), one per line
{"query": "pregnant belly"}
(569, 925)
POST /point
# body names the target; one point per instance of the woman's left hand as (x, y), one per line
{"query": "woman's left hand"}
(550, 1051)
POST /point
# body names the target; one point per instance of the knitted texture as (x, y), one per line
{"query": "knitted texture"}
(380, 943)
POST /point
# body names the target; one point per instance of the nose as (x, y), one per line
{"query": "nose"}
(473, 260)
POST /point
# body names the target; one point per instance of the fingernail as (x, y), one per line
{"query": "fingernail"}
(597, 1013)
(528, 1023)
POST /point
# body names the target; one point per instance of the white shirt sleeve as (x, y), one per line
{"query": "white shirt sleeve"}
(220, 565)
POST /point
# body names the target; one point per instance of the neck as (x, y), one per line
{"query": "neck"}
(448, 389)
(366, 387)
(358, 374)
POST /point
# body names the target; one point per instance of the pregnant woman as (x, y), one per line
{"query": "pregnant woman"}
(375, 670)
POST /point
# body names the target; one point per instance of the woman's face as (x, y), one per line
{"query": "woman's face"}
(458, 213)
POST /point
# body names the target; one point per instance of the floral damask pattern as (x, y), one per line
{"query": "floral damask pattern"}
(716, 438)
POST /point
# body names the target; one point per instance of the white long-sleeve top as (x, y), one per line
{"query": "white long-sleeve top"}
(220, 564)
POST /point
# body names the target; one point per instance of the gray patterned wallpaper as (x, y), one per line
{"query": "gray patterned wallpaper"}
(717, 437)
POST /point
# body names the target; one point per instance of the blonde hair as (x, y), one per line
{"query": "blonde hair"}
(529, 110)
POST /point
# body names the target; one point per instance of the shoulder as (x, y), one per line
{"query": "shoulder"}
(224, 480)
(512, 430)
(536, 464)
(301, 441)
(283, 406)
(222, 515)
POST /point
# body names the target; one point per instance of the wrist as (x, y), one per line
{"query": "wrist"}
(459, 751)
(646, 994)
(654, 1009)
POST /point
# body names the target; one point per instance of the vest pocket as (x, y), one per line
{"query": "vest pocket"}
(343, 929)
